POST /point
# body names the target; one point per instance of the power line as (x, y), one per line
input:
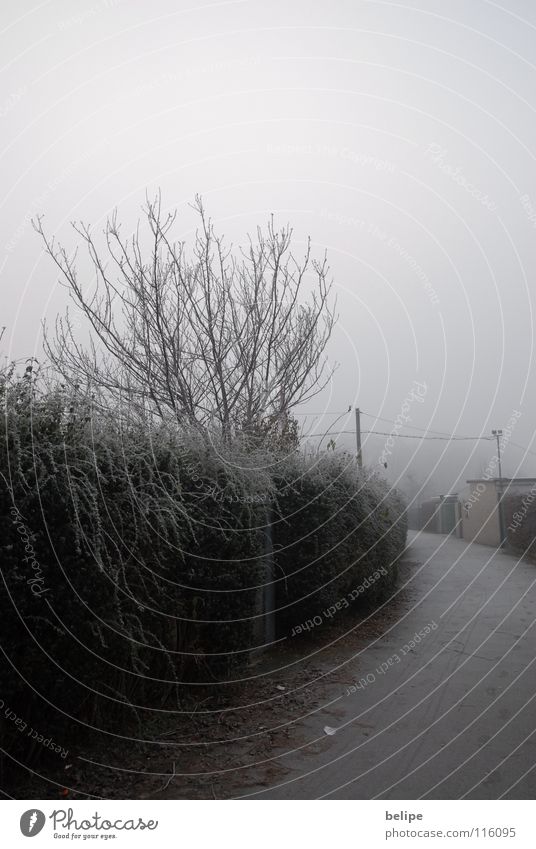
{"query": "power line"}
(389, 421)
(438, 436)
(329, 433)
(326, 413)
(411, 427)
(452, 438)
(372, 416)
(526, 450)
(441, 436)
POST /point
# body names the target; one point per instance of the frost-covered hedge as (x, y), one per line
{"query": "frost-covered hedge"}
(337, 535)
(520, 522)
(130, 560)
(134, 557)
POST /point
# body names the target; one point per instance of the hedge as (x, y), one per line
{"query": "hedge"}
(134, 556)
(335, 530)
(519, 513)
(128, 558)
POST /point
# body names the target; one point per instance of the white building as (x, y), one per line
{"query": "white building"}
(482, 520)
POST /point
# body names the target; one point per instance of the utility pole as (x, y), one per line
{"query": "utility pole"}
(497, 434)
(358, 437)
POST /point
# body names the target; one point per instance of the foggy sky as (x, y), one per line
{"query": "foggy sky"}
(399, 136)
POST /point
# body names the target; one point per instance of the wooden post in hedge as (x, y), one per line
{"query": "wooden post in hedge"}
(269, 590)
(264, 627)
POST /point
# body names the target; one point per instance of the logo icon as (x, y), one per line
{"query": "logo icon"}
(31, 822)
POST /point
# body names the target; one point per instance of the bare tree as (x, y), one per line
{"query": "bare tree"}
(209, 336)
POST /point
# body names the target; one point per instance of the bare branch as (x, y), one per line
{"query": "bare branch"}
(210, 337)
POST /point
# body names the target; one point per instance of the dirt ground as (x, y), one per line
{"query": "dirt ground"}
(223, 745)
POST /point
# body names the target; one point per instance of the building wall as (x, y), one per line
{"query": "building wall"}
(449, 515)
(441, 515)
(480, 517)
(429, 515)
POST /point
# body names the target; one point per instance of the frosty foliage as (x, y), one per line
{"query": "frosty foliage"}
(134, 552)
(333, 527)
(519, 515)
(128, 554)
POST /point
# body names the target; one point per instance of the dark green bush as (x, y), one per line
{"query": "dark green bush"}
(334, 530)
(133, 558)
(128, 558)
(520, 522)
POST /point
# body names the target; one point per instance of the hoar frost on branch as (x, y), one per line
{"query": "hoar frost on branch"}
(207, 337)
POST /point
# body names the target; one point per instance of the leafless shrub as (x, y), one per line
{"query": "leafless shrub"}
(208, 337)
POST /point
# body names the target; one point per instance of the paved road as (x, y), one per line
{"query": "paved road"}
(455, 715)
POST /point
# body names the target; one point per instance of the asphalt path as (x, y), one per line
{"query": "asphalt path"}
(442, 705)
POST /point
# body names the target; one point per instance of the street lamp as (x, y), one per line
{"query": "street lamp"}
(497, 434)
